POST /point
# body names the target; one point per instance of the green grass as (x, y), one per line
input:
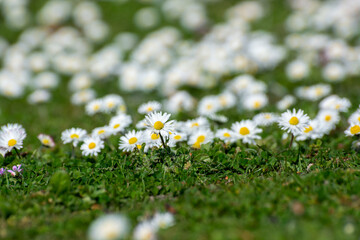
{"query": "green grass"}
(218, 192)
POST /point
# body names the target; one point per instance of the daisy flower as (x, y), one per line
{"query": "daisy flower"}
(73, 135)
(149, 107)
(46, 140)
(109, 227)
(334, 102)
(145, 231)
(312, 131)
(175, 138)
(265, 119)
(111, 102)
(286, 102)
(209, 105)
(92, 146)
(200, 137)
(163, 220)
(151, 140)
(328, 118)
(227, 99)
(12, 126)
(158, 123)
(119, 122)
(141, 124)
(355, 117)
(95, 106)
(246, 130)
(196, 124)
(293, 122)
(226, 135)
(255, 101)
(13, 138)
(353, 129)
(131, 140)
(102, 132)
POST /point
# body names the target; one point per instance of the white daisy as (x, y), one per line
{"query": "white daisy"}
(196, 124)
(175, 138)
(200, 137)
(145, 231)
(157, 122)
(112, 102)
(312, 131)
(226, 135)
(355, 117)
(73, 135)
(152, 106)
(265, 119)
(11, 139)
(95, 106)
(246, 130)
(151, 140)
(119, 122)
(328, 118)
(255, 101)
(46, 140)
(163, 220)
(12, 126)
(353, 129)
(92, 146)
(141, 124)
(293, 122)
(131, 140)
(334, 102)
(102, 132)
(109, 227)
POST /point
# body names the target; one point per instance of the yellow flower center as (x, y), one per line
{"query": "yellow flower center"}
(149, 109)
(133, 140)
(154, 136)
(327, 118)
(12, 142)
(244, 131)
(92, 145)
(337, 106)
(294, 121)
(194, 125)
(359, 119)
(45, 141)
(96, 107)
(139, 146)
(200, 139)
(74, 136)
(267, 116)
(177, 137)
(209, 107)
(196, 145)
(257, 104)
(227, 135)
(112, 235)
(158, 125)
(223, 101)
(355, 129)
(116, 126)
(308, 129)
(101, 131)
(111, 104)
(122, 108)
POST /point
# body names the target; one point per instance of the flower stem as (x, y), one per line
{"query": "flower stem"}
(163, 143)
(17, 153)
(291, 141)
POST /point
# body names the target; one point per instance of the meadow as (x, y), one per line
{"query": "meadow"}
(260, 189)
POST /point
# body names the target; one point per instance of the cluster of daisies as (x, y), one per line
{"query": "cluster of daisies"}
(117, 226)
(156, 130)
